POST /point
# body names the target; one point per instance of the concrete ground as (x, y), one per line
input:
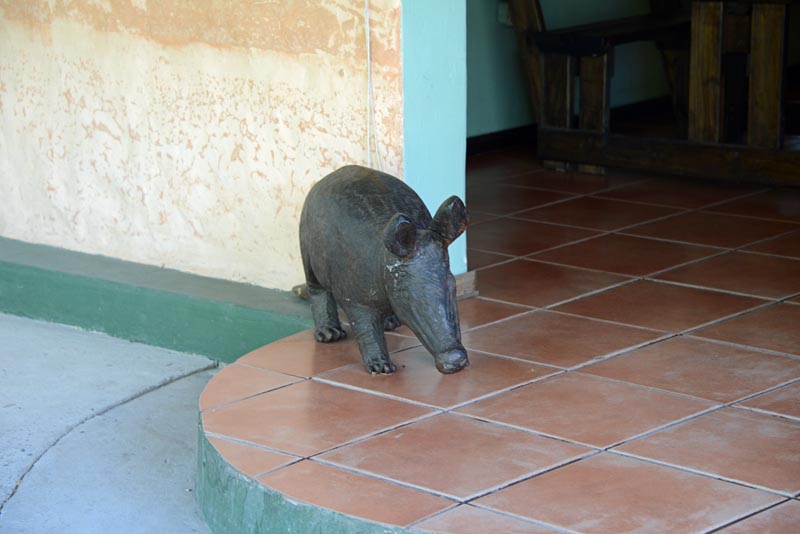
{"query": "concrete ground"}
(97, 434)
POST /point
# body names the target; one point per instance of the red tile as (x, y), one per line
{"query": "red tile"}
(476, 312)
(720, 373)
(712, 229)
(309, 417)
(234, 382)
(773, 328)
(781, 519)
(252, 461)
(466, 519)
(625, 255)
(736, 444)
(448, 454)
(416, 378)
(518, 238)
(568, 182)
(609, 493)
(590, 410)
(477, 259)
(534, 283)
(753, 274)
(596, 213)
(660, 306)
(477, 217)
(300, 355)
(679, 193)
(556, 339)
(498, 199)
(782, 205)
(784, 401)
(496, 165)
(353, 494)
(788, 245)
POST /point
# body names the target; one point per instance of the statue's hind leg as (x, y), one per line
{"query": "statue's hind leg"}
(323, 309)
(326, 318)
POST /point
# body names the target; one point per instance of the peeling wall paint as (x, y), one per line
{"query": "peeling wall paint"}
(186, 134)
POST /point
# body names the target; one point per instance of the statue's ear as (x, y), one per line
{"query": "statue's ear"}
(400, 235)
(451, 220)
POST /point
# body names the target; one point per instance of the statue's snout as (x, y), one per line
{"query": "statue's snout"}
(452, 361)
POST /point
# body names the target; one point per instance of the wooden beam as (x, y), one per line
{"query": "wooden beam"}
(526, 16)
(670, 156)
(705, 75)
(766, 75)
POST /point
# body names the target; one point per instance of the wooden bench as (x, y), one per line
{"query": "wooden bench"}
(725, 62)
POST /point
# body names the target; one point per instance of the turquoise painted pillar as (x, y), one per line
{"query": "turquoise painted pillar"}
(434, 41)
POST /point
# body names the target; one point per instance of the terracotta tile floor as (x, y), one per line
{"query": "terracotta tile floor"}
(635, 368)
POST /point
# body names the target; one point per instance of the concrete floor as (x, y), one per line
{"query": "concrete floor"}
(97, 434)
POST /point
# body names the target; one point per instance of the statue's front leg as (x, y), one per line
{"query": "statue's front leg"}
(368, 328)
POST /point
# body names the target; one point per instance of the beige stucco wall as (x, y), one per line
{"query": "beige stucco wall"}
(186, 133)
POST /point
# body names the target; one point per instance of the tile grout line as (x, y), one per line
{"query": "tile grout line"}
(532, 258)
(592, 452)
(620, 229)
(709, 288)
(751, 348)
(766, 391)
(376, 476)
(375, 392)
(526, 520)
(722, 526)
(761, 411)
(524, 312)
(376, 433)
(529, 431)
(548, 526)
(226, 404)
(259, 446)
(702, 207)
(268, 471)
(433, 515)
(697, 415)
(705, 474)
(747, 311)
(552, 307)
(556, 372)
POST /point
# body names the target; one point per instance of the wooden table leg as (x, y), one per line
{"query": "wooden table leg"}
(594, 99)
(705, 73)
(557, 87)
(766, 75)
(558, 79)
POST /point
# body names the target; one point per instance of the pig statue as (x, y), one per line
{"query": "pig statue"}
(369, 245)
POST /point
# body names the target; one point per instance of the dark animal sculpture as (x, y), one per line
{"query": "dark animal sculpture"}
(370, 245)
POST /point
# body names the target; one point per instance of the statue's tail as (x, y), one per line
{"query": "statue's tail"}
(301, 291)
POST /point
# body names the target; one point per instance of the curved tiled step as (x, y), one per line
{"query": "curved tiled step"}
(297, 437)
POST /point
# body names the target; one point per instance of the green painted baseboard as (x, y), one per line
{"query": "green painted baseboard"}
(162, 307)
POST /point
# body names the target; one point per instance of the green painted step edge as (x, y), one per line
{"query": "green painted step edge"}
(178, 321)
(233, 502)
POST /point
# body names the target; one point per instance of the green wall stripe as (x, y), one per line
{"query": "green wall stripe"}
(178, 321)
